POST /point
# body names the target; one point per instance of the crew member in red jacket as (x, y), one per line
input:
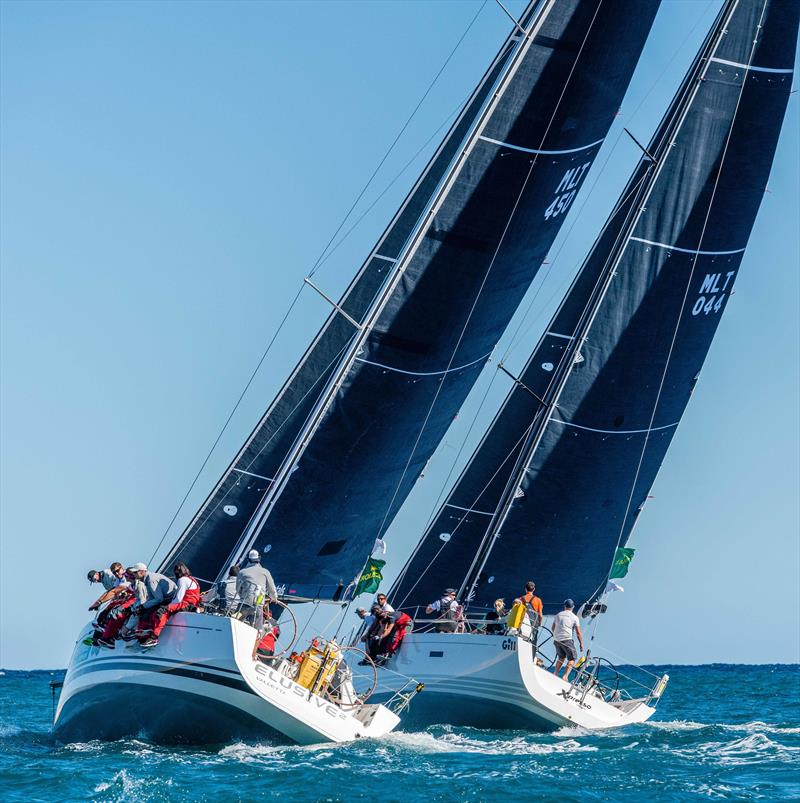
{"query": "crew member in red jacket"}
(396, 626)
(268, 634)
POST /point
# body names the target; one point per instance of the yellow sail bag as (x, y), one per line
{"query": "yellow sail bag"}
(516, 615)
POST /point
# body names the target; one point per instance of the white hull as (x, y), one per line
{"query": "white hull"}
(494, 682)
(199, 685)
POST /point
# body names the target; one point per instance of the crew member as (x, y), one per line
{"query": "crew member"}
(268, 634)
(223, 592)
(160, 591)
(531, 601)
(367, 618)
(383, 603)
(448, 609)
(186, 598)
(396, 625)
(496, 616)
(120, 623)
(187, 594)
(564, 623)
(253, 581)
(117, 589)
(110, 578)
(374, 634)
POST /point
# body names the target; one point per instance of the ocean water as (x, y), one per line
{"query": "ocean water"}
(722, 732)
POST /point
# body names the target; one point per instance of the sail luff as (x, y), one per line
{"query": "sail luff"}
(406, 254)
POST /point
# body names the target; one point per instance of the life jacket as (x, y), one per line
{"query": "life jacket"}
(192, 595)
(532, 602)
(267, 642)
(403, 621)
(448, 608)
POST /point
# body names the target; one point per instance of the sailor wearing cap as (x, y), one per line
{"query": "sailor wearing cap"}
(447, 607)
(254, 580)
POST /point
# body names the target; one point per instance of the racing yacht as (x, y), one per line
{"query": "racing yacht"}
(331, 461)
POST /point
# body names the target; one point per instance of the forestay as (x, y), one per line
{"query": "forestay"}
(492, 200)
(555, 487)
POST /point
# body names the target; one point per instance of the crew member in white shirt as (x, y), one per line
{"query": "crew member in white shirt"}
(564, 623)
(383, 603)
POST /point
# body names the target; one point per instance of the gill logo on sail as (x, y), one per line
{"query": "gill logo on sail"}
(566, 190)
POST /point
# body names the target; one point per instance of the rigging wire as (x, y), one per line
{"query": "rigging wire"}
(455, 529)
(227, 421)
(320, 259)
(308, 621)
(405, 167)
(269, 440)
(400, 133)
(557, 382)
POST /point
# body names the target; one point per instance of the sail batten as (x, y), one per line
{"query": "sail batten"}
(432, 301)
(622, 355)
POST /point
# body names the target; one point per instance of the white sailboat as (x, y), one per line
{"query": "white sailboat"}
(502, 681)
(338, 450)
(202, 684)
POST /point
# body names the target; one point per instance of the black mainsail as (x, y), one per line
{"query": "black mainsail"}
(339, 449)
(560, 477)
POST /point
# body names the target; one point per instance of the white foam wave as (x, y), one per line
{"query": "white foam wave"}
(85, 747)
(6, 731)
(123, 787)
(678, 725)
(716, 791)
(747, 727)
(571, 731)
(261, 753)
(449, 742)
(747, 750)
(761, 727)
(239, 751)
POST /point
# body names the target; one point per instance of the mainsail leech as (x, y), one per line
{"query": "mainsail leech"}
(618, 385)
(347, 447)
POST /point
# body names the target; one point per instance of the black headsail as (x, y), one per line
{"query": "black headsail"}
(339, 449)
(558, 481)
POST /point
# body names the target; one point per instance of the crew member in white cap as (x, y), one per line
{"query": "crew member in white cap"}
(254, 580)
(160, 591)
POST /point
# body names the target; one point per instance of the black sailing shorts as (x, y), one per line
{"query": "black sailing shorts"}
(565, 650)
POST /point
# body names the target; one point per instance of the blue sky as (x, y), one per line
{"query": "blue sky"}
(171, 171)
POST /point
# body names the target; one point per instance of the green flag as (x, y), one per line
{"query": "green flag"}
(622, 561)
(371, 578)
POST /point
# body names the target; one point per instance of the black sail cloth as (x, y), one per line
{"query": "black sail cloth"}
(578, 495)
(478, 255)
